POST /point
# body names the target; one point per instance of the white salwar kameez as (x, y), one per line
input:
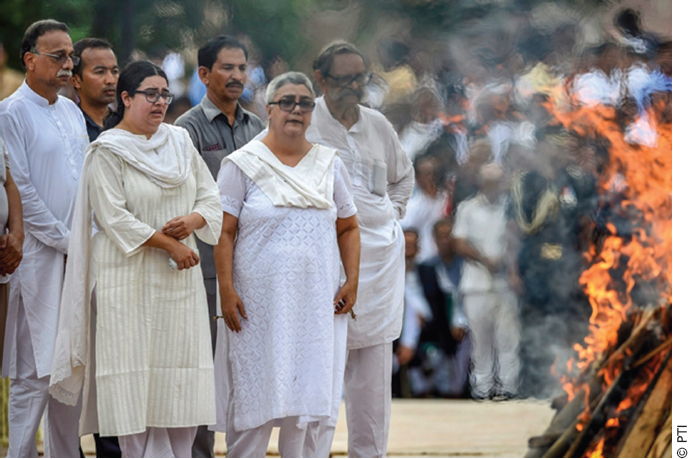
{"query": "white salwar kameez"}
(280, 366)
(382, 180)
(46, 144)
(153, 358)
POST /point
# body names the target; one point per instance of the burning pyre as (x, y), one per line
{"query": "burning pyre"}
(618, 389)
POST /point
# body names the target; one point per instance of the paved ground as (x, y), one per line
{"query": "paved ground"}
(453, 428)
(444, 428)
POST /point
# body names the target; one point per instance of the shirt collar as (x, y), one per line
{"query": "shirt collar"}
(321, 106)
(34, 97)
(486, 202)
(211, 111)
(89, 120)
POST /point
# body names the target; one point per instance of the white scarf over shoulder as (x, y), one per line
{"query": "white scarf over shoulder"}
(165, 159)
(309, 184)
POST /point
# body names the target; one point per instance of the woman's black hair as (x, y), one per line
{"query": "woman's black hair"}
(129, 81)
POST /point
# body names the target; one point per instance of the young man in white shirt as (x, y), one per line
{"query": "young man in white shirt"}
(46, 137)
(382, 180)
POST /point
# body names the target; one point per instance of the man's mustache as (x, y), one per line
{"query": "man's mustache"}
(235, 83)
(350, 92)
(63, 72)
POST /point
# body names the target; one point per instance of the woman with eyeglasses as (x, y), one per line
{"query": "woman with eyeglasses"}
(133, 324)
(289, 218)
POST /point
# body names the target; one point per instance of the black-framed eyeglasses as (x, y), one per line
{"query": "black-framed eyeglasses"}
(288, 104)
(361, 79)
(153, 96)
(60, 58)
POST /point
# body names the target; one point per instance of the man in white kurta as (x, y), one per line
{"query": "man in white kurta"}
(46, 138)
(382, 181)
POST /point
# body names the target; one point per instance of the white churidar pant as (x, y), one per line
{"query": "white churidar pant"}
(495, 330)
(368, 394)
(158, 442)
(254, 442)
(29, 400)
(319, 437)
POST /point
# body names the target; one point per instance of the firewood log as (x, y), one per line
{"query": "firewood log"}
(663, 440)
(599, 414)
(637, 440)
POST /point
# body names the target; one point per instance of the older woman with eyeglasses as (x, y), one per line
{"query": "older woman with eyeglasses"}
(289, 218)
(151, 364)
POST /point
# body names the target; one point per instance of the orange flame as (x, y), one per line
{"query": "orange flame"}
(639, 178)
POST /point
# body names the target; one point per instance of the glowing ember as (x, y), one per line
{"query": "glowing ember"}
(597, 452)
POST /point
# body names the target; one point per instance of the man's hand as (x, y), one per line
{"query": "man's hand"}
(405, 355)
(516, 283)
(458, 333)
(181, 227)
(492, 265)
(10, 253)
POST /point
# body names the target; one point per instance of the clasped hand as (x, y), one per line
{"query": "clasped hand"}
(181, 227)
(10, 254)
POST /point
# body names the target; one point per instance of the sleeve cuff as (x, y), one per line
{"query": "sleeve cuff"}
(63, 245)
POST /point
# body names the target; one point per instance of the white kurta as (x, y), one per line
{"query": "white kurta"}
(154, 363)
(286, 271)
(46, 146)
(382, 180)
(153, 359)
(484, 225)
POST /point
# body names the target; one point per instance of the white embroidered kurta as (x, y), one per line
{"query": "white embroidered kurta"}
(154, 363)
(286, 271)
(382, 180)
(46, 144)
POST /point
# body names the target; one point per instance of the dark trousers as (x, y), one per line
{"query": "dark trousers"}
(107, 446)
(204, 443)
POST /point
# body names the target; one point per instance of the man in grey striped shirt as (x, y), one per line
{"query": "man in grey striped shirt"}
(218, 126)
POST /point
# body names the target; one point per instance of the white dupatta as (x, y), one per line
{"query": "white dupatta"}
(309, 184)
(165, 159)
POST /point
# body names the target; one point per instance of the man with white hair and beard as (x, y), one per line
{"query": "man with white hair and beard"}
(490, 305)
(382, 180)
(46, 137)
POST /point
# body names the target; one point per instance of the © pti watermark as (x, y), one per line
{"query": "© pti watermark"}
(681, 437)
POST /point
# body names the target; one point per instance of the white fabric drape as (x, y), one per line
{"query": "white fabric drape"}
(308, 184)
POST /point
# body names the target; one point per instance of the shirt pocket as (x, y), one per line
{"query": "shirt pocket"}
(378, 178)
(213, 159)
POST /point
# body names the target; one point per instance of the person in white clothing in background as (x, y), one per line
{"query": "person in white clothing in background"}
(11, 234)
(427, 205)
(46, 138)
(490, 305)
(382, 181)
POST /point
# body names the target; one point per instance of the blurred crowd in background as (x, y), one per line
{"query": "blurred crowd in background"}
(481, 127)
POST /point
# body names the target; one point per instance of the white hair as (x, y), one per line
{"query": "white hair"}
(296, 78)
